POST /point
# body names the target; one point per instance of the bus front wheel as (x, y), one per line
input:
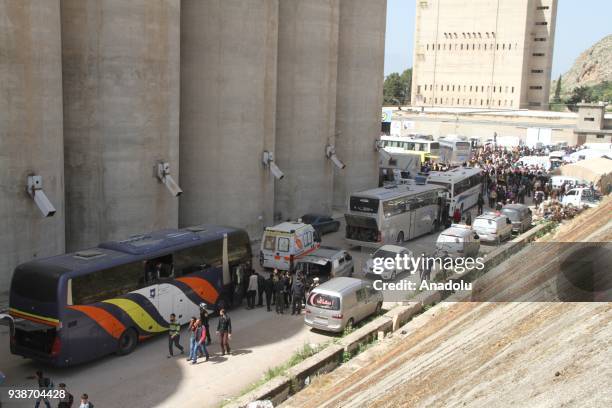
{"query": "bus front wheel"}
(400, 237)
(127, 342)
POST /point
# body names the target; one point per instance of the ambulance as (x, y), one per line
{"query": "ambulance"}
(283, 244)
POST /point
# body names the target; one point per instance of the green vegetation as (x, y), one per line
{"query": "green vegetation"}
(396, 89)
(300, 355)
(601, 92)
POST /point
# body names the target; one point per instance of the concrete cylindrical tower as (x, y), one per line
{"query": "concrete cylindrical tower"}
(361, 50)
(228, 104)
(30, 131)
(121, 112)
(307, 68)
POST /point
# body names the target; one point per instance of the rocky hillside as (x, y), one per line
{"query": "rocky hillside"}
(592, 67)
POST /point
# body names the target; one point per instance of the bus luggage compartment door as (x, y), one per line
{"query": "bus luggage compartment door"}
(361, 228)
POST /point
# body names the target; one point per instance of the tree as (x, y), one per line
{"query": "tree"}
(396, 89)
(406, 79)
(579, 94)
(557, 97)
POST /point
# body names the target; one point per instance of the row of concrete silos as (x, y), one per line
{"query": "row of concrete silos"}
(263, 75)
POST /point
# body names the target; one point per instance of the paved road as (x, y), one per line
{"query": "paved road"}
(146, 378)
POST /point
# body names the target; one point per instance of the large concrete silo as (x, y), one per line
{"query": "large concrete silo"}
(30, 131)
(307, 68)
(361, 51)
(228, 103)
(121, 116)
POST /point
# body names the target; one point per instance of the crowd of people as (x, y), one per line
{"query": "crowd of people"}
(65, 398)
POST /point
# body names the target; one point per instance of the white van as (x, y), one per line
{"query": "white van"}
(459, 241)
(579, 197)
(493, 227)
(283, 244)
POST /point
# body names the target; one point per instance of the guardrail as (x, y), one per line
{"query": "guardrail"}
(280, 388)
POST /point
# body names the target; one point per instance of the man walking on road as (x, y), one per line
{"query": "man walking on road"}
(269, 289)
(260, 289)
(279, 288)
(205, 322)
(174, 336)
(252, 291)
(44, 385)
(297, 293)
(224, 329)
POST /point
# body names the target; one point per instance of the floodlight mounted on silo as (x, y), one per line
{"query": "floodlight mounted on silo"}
(162, 170)
(330, 153)
(35, 190)
(267, 159)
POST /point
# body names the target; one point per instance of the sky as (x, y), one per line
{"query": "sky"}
(580, 24)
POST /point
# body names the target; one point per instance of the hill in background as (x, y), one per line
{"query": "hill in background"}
(592, 69)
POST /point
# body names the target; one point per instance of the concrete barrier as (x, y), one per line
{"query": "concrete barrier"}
(276, 390)
(323, 362)
(366, 333)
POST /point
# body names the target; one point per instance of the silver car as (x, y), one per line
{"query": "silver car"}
(519, 215)
(325, 263)
(340, 303)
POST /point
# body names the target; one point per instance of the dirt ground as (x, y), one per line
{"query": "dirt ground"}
(518, 342)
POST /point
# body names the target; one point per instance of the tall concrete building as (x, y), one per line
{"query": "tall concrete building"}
(483, 53)
(121, 116)
(306, 105)
(30, 132)
(228, 110)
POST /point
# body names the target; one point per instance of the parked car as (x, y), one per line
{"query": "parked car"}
(493, 227)
(385, 251)
(579, 197)
(341, 302)
(520, 216)
(459, 241)
(325, 263)
(322, 223)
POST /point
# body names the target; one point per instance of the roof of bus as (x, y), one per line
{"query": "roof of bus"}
(454, 174)
(386, 193)
(112, 253)
(407, 139)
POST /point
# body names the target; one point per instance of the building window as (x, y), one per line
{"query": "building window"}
(539, 39)
(481, 102)
(541, 23)
(436, 101)
(470, 88)
(535, 87)
(478, 46)
(497, 46)
(487, 101)
(438, 47)
(509, 46)
(427, 47)
(447, 87)
(537, 71)
(538, 54)
(461, 46)
(588, 119)
(542, 7)
(494, 89)
(506, 90)
(418, 89)
(485, 47)
(499, 102)
(512, 89)
(482, 88)
(453, 88)
(503, 46)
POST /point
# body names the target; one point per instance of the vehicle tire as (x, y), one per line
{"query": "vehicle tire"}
(350, 324)
(393, 275)
(261, 259)
(378, 308)
(127, 342)
(400, 237)
(436, 227)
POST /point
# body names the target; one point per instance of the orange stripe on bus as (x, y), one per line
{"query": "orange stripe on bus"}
(106, 320)
(32, 318)
(201, 287)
